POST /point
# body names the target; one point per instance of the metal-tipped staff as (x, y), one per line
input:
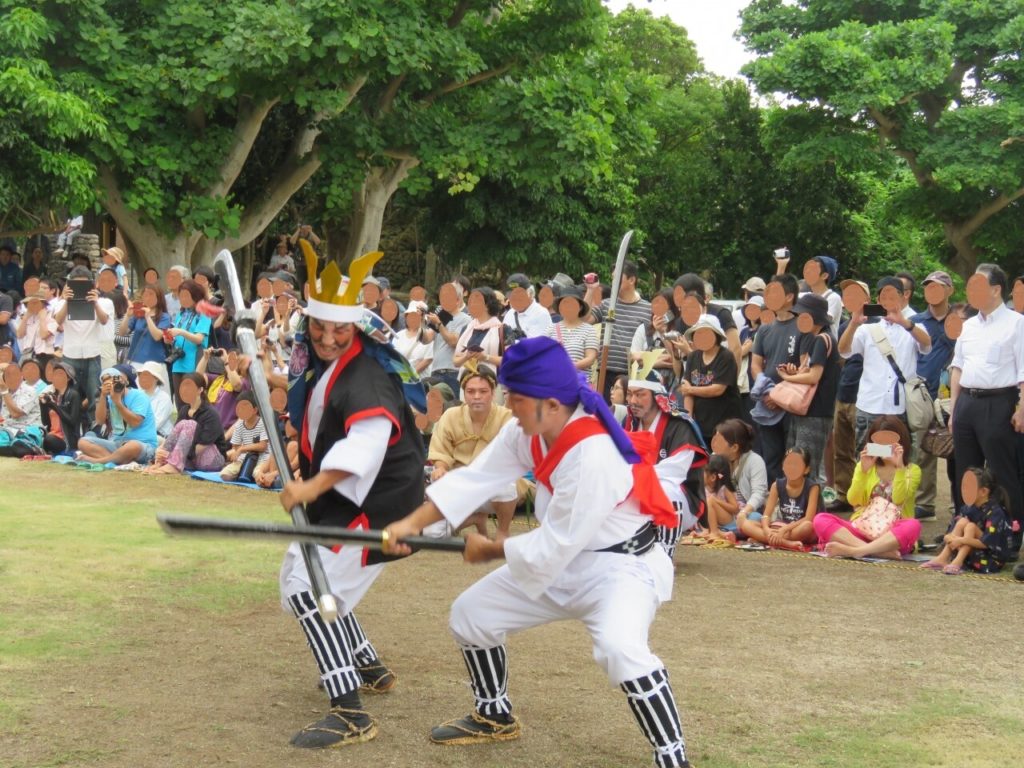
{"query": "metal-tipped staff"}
(609, 315)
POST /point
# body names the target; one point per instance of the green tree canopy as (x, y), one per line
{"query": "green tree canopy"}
(939, 82)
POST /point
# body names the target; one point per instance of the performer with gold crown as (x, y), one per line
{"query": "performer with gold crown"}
(593, 558)
(681, 449)
(361, 462)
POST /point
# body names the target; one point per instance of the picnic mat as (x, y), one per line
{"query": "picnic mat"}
(214, 477)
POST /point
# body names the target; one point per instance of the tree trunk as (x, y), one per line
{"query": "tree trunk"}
(965, 256)
(369, 204)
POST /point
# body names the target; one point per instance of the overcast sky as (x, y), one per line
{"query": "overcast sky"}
(710, 24)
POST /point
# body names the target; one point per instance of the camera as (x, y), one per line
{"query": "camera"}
(513, 335)
(119, 387)
(217, 352)
(174, 355)
(670, 335)
(781, 253)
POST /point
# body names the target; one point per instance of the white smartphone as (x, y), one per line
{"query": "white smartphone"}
(879, 451)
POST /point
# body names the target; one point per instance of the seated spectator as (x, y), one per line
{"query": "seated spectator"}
(483, 338)
(153, 381)
(266, 474)
(734, 439)
(127, 413)
(720, 497)
(66, 239)
(61, 411)
(249, 441)
(577, 336)
(145, 324)
(10, 271)
(885, 486)
(461, 435)
(978, 537)
(19, 402)
(415, 342)
(793, 501)
(32, 374)
(224, 387)
(37, 330)
(709, 383)
(197, 440)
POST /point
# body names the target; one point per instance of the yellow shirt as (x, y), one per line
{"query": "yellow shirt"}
(453, 440)
(904, 488)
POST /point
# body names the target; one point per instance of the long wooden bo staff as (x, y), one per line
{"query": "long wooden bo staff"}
(325, 535)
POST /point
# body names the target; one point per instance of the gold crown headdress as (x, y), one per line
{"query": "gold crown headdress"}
(639, 374)
(333, 297)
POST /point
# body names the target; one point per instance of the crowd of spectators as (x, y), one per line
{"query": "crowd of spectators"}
(808, 393)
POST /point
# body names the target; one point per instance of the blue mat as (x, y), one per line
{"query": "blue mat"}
(214, 477)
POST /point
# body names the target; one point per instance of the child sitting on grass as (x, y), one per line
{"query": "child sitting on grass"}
(720, 494)
(790, 509)
(248, 437)
(979, 536)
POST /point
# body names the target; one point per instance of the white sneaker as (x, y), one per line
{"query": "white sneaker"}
(438, 530)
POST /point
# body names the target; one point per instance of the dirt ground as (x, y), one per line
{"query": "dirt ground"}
(776, 659)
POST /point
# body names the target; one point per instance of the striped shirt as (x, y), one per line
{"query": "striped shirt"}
(627, 318)
(244, 435)
(575, 340)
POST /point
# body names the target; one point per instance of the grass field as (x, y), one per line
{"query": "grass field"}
(122, 647)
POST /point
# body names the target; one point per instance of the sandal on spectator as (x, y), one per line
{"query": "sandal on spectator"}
(952, 569)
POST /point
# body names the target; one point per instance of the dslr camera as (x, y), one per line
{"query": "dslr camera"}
(175, 354)
(119, 386)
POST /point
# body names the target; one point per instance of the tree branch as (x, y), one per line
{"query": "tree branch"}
(986, 212)
(456, 85)
(890, 131)
(144, 236)
(459, 14)
(247, 128)
(388, 97)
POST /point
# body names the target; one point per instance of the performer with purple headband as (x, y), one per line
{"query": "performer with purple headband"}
(593, 557)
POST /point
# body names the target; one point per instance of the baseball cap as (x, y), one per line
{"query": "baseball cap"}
(939, 277)
(371, 280)
(754, 285)
(518, 280)
(863, 286)
(384, 283)
(890, 282)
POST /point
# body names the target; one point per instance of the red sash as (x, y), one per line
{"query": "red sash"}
(352, 351)
(647, 490)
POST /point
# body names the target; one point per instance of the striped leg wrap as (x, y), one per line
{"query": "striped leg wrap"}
(654, 707)
(488, 673)
(362, 649)
(329, 645)
(669, 537)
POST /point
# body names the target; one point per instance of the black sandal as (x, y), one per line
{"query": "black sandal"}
(338, 728)
(474, 728)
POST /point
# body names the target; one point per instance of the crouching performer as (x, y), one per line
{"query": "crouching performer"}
(594, 556)
(361, 460)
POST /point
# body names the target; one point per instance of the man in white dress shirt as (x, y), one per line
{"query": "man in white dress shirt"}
(593, 557)
(987, 388)
(526, 315)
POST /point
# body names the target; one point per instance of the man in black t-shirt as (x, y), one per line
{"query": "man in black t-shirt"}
(691, 283)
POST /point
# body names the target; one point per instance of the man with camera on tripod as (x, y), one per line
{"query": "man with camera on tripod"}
(128, 414)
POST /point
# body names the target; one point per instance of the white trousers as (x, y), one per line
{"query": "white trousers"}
(615, 596)
(347, 577)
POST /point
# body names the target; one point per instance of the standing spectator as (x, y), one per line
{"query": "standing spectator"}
(66, 239)
(82, 338)
(907, 294)
(145, 324)
(819, 365)
(631, 310)
(709, 389)
(482, 340)
(986, 381)
(691, 283)
(527, 316)
(152, 378)
(61, 411)
(415, 342)
(880, 392)
(37, 330)
(820, 272)
(175, 276)
(128, 414)
(448, 333)
(385, 295)
(938, 287)
(10, 272)
(775, 346)
(655, 334)
(578, 337)
(282, 259)
(35, 266)
(371, 293)
(150, 277)
(754, 287)
(113, 260)
(19, 403)
(750, 321)
(8, 326)
(188, 332)
(844, 422)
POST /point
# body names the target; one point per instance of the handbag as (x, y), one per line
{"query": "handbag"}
(796, 398)
(938, 440)
(877, 518)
